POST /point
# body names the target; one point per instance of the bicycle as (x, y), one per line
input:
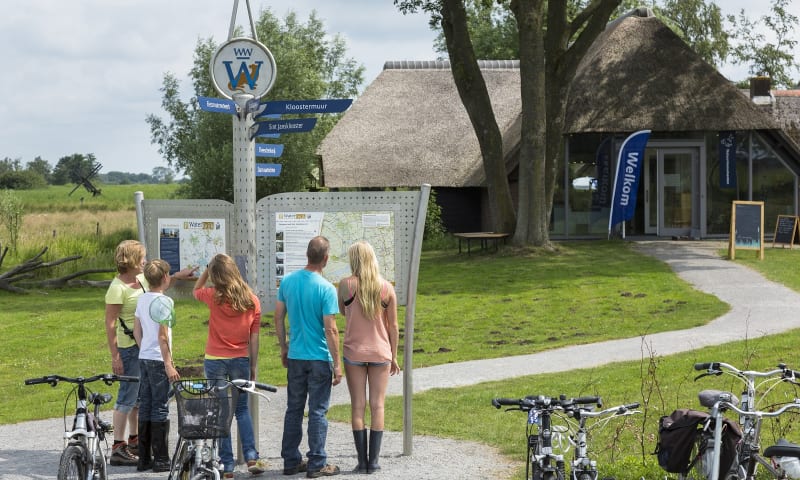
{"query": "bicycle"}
(205, 412)
(748, 458)
(541, 462)
(84, 457)
(734, 454)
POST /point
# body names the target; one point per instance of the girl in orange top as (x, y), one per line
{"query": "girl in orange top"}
(371, 334)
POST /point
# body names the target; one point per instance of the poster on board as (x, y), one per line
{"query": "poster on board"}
(293, 230)
(190, 242)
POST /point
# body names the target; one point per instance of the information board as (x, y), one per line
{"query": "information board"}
(785, 230)
(747, 227)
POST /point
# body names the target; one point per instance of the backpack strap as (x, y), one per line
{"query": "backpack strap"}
(384, 303)
(352, 294)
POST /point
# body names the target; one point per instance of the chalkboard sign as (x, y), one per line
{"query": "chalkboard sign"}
(747, 227)
(785, 230)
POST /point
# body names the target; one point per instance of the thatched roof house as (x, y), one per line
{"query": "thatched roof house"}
(409, 126)
(639, 74)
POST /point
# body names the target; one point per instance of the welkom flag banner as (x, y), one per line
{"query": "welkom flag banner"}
(629, 167)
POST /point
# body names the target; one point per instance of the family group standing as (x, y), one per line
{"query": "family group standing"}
(309, 350)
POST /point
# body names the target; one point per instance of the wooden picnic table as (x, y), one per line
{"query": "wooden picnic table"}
(483, 237)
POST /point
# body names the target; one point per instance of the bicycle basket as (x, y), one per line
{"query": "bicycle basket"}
(203, 410)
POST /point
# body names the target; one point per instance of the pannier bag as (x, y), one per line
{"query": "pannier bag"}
(676, 437)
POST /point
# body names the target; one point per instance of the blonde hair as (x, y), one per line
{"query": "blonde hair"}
(364, 265)
(155, 271)
(129, 255)
(229, 285)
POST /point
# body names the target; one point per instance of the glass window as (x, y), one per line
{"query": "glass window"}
(773, 184)
(588, 188)
(720, 200)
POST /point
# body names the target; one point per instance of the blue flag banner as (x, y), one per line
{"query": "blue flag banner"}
(727, 159)
(601, 194)
(629, 167)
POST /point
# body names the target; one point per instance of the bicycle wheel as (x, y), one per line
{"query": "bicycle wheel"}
(181, 462)
(701, 460)
(72, 466)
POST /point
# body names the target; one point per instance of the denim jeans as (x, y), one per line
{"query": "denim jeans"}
(306, 379)
(231, 369)
(128, 392)
(153, 391)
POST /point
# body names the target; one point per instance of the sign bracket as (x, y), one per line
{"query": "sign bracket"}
(232, 28)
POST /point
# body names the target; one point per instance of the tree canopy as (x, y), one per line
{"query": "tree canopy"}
(310, 65)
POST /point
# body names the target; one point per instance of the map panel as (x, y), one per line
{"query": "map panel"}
(190, 242)
(293, 230)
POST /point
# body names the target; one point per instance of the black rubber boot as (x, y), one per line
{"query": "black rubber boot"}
(145, 461)
(159, 435)
(375, 439)
(360, 439)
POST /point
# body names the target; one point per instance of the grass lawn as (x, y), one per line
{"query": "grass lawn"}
(485, 305)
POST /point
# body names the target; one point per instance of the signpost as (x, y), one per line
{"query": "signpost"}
(294, 125)
(268, 150)
(332, 105)
(268, 169)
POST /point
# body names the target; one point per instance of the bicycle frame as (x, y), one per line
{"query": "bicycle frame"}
(582, 465)
(749, 418)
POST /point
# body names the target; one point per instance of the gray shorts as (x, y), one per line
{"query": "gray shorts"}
(366, 364)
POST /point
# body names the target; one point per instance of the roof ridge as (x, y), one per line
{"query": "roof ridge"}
(445, 64)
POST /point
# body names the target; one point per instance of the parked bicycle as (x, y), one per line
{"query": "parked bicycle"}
(85, 446)
(753, 397)
(707, 445)
(542, 463)
(205, 411)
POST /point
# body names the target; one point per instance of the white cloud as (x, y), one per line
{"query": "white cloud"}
(80, 76)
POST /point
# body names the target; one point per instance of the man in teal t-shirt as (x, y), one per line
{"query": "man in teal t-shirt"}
(311, 358)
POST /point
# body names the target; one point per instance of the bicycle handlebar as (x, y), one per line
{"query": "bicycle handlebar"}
(757, 413)
(718, 367)
(108, 378)
(248, 386)
(540, 401)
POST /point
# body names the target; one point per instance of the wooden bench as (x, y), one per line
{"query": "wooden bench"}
(483, 237)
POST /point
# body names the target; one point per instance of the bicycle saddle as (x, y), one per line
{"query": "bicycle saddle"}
(783, 448)
(709, 397)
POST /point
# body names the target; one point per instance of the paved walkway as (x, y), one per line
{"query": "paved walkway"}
(759, 307)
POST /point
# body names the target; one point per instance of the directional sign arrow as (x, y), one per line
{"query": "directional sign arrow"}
(284, 126)
(268, 169)
(331, 105)
(219, 105)
(268, 150)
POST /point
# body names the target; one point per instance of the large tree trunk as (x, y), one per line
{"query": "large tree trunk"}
(472, 90)
(532, 219)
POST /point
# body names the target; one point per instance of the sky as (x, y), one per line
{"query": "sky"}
(81, 76)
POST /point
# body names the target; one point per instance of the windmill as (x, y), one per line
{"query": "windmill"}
(85, 180)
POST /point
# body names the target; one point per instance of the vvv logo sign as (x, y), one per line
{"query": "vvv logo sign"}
(247, 73)
(243, 65)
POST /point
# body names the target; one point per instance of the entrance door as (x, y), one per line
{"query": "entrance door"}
(669, 196)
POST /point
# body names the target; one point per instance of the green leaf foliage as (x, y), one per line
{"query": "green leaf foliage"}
(310, 65)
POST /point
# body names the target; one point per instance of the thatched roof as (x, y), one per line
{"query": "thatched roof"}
(409, 127)
(640, 75)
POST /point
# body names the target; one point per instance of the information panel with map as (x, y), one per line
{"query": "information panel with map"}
(293, 230)
(190, 242)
